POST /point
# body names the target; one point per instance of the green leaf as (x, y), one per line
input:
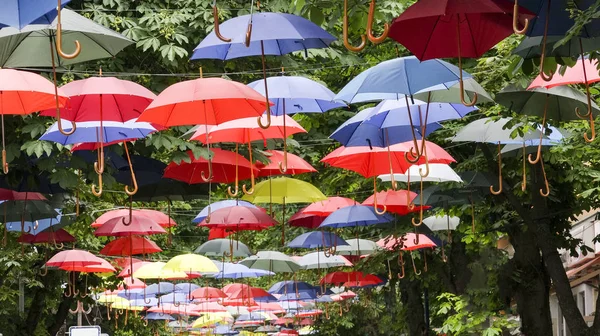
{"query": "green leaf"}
(316, 16)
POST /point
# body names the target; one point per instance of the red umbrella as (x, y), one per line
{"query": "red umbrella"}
(138, 225)
(325, 208)
(223, 168)
(132, 283)
(131, 245)
(396, 201)
(228, 289)
(340, 277)
(237, 218)
(238, 302)
(306, 322)
(156, 216)
(248, 292)
(306, 313)
(295, 164)
(283, 321)
(124, 262)
(272, 307)
(288, 331)
(208, 293)
(127, 268)
(23, 92)
(365, 280)
(104, 267)
(71, 259)
(215, 233)
(454, 28)
(60, 236)
(11, 195)
(301, 219)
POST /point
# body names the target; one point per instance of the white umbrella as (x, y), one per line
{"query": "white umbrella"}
(318, 260)
(357, 247)
(438, 172)
(440, 223)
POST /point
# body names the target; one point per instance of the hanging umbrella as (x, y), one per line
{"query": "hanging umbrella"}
(295, 95)
(219, 247)
(159, 316)
(221, 165)
(147, 170)
(357, 247)
(450, 92)
(238, 271)
(244, 131)
(162, 219)
(58, 236)
(321, 260)
(104, 267)
(128, 269)
(395, 201)
(316, 239)
(22, 93)
(190, 263)
(131, 245)
(440, 223)
(20, 13)
(531, 47)
(263, 34)
(438, 172)
(238, 218)
(155, 270)
(30, 212)
(86, 132)
(407, 242)
(206, 293)
(560, 103)
(271, 261)
(219, 205)
(295, 164)
(138, 225)
(454, 29)
(207, 321)
(308, 221)
(168, 190)
(327, 207)
(355, 215)
(11, 195)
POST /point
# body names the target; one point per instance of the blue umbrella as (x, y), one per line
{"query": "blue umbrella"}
(143, 302)
(20, 13)
(36, 226)
(111, 131)
(357, 132)
(147, 170)
(300, 296)
(238, 271)
(219, 205)
(324, 298)
(355, 215)
(155, 289)
(159, 316)
(294, 94)
(224, 330)
(290, 287)
(175, 298)
(186, 287)
(396, 78)
(316, 239)
(251, 317)
(263, 34)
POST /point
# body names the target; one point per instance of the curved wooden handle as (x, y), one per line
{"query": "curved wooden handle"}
(4, 164)
(216, 25)
(370, 19)
(499, 191)
(133, 178)
(347, 44)
(59, 50)
(375, 206)
(516, 20)
(97, 192)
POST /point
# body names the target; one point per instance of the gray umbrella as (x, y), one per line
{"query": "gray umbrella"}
(357, 247)
(32, 45)
(272, 261)
(443, 94)
(221, 247)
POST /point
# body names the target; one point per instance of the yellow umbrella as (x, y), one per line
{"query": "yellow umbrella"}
(225, 314)
(191, 263)
(108, 298)
(125, 304)
(207, 321)
(156, 270)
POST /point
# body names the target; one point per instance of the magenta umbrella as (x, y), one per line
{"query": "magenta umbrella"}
(238, 218)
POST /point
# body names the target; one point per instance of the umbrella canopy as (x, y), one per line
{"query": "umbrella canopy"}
(148, 171)
(96, 131)
(20, 13)
(308, 221)
(238, 218)
(154, 215)
(204, 101)
(318, 260)
(25, 92)
(223, 166)
(357, 247)
(327, 207)
(356, 215)
(396, 201)
(406, 242)
(450, 92)
(190, 263)
(285, 189)
(73, 259)
(283, 287)
(59, 236)
(295, 164)
(583, 71)
(316, 239)
(249, 292)
(274, 33)
(271, 261)
(396, 78)
(207, 293)
(493, 131)
(558, 12)
(155, 270)
(131, 245)
(238, 271)
(438, 172)
(127, 267)
(219, 247)
(28, 212)
(246, 130)
(300, 95)
(27, 47)
(11, 195)
(103, 267)
(170, 190)
(219, 205)
(159, 316)
(531, 47)
(138, 225)
(440, 223)
(34, 227)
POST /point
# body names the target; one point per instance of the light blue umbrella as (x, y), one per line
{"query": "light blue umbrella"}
(300, 296)
(20, 13)
(175, 298)
(251, 317)
(294, 94)
(355, 215)
(316, 239)
(238, 271)
(39, 225)
(155, 289)
(218, 205)
(185, 287)
(396, 78)
(144, 302)
(356, 131)
(111, 131)
(224, 330)
(159, 316)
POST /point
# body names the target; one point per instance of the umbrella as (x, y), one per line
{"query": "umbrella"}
(263, 34)
(295, 164)
(355, 215)
(238, 218)
(138, 225)
(440, 223)
(531, 47)
(271, 261)
(454, 29)
(438, 172)
(560, 103)
(246, 130)
(326, 207)
(149, 171)
(168, 190)
(295, 95)
(160, 218)
(206, 293)
(449, 92)
(159, 316)
(219, 205)
(357, 247)
(155, 270)
(220, 247)
(20, 13)
(395, 201)
(104, 267)
(190, 263)
(321, 260)
(22, 93)
(30, 212)
(58, 236)
(221, 165)
(238, 271)
(90, 131)
(131, 245)
(407, 242)
(366, 280)
(208, 321)
(308, 221)
(317, 239)
(73, 261)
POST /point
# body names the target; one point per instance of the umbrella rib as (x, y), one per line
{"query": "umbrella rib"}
(97, 43)
(471, 33)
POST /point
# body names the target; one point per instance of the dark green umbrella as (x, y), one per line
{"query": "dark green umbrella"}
(170, 190)
(441, 94)
(531, 47)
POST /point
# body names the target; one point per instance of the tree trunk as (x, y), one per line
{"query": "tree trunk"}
(411, 294)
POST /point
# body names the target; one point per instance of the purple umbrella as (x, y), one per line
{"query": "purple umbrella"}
(316, 239)
(219, 205)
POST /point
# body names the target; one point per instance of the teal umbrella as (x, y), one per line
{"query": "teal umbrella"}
(221, 247)
(443, 94)
(34, 45)
(531, 47)
(272, 261)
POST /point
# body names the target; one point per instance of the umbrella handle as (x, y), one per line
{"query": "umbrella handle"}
(547, 192)
(414, 266)
(59, 50)
(499, 191)
(44, 271)
(414, 223)
(347, 44)
(4, 163)
(58, 119)
(524, 182)
(283, 165)
(370, 17)
(99, 164)
(587, 85)
(133, 178)
(216, 25)
(545, 77)
(375, 206)
(460, 71)
(127, 223)
(251, 190)
(145, 322)
(592, 129)
(426, 173)
(98, 192)
(516, 20)
(210, 172)
(401, 264)
(248, 34)
(232, 194)
(389, 153)
(414, 151)
(539, 149)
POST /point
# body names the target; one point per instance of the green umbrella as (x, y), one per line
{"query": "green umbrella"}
(272, 261)
(318, 260)
(33, 45)
(531, 47)
(221, 247)
(357, 247)
(452, 94)
(170, 190)
(28, 211)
